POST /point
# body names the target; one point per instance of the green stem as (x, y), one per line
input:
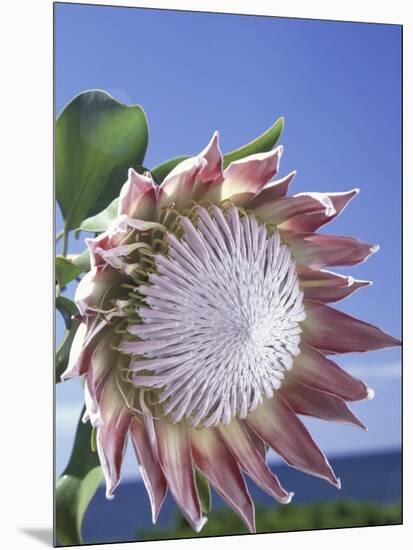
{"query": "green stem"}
(60, 235)
(65, 242)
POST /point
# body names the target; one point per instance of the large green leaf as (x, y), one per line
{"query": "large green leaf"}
(76, 486)
(97, 140)
(67, 309)
(162, 170)
(263, 143)
(204, 491)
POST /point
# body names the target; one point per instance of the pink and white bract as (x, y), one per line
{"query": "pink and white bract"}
(206, 329)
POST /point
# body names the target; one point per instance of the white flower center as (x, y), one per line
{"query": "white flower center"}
(222, 324)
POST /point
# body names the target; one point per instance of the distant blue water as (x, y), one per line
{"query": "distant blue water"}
(370, 477)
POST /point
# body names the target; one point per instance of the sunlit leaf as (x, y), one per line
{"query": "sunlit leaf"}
(265, 142)
(97, 140)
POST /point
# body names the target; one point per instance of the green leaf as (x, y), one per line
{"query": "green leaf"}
(265, 142)
(69, 267)
(100, 222)
(204, 491)
(82, 260)
(65, 271)
(97, 140)
(76, 486)
(63, 351)
(162, 170)
(67, 309)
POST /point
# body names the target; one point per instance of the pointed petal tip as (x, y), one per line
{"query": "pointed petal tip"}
(110, 484)
(212, 158)
(249, 520)
(352, 193)
(197, 525)
(357, 423)
(214, 143)
(155, 509)
(109, 493)
(392, 341)
(361, 283)
(135, 178)
(356, 335)
(279, 150)
(287, 499)
(374, 248)
(329, 474)
(272, 153)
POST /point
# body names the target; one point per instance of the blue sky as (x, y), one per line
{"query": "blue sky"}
(338, 87)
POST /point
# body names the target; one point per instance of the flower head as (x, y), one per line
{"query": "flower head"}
(206, 330)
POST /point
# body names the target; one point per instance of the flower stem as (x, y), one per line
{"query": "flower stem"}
(65, 242)
(59, 235)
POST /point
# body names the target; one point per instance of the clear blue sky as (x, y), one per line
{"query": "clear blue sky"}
(337, 84)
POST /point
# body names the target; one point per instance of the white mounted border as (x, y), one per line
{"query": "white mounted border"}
(27, 247)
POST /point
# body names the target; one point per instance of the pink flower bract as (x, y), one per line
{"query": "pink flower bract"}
(206, 329)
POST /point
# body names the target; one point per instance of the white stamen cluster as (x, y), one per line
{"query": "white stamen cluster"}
(222, 324)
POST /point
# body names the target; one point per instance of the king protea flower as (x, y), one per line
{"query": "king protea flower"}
(205, 330)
